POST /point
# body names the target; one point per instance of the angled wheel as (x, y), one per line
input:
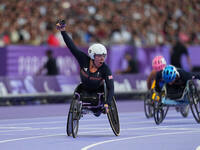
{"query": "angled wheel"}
(148, 105)
(185, 111)
(69, 120)
(194, 100)
(113, 117)
(158, 113)
(76, 114)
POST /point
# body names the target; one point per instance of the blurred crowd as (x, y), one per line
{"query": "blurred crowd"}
(140, 22)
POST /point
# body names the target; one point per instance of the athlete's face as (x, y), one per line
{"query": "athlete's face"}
(170, 83)
(99, 60)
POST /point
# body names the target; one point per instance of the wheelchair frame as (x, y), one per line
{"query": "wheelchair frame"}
(189, 97)
(79, 107)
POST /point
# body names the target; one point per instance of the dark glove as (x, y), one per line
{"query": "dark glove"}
(60, 24)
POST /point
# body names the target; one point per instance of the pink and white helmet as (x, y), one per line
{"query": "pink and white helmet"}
(158, 63)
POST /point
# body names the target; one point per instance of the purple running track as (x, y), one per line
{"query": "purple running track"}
(43, 127)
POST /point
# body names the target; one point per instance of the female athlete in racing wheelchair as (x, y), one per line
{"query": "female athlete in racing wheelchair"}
(96, 91)
(179, 91)
(158, 64)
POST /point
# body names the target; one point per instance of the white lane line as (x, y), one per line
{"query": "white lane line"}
(178, 129)
(34, 118)
(64, 121)
(42, 136)
(34, 123)
(28, 138)
(134, 137)
(50, 122)
(61, 116)
(32, 129)
(1, 127)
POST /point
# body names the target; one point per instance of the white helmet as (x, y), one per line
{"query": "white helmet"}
(96, 48)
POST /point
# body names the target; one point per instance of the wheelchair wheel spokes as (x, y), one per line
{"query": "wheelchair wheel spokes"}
(75, 118)
(185, 111)
(148, 106)
(158, 113)
(194, 101)
(69, 124)
(195, 108)
(114, 118)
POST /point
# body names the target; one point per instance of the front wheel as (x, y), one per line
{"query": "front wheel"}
(159, 113)
(76, 114)
(148, 106)
(113, 117)
(73, 118)
(165, 110)
(69, 120)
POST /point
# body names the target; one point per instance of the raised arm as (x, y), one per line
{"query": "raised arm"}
(78, 54)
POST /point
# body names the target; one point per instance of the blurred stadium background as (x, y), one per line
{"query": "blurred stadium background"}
(143, 28)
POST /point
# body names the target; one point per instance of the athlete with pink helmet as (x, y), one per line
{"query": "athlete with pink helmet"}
(158, 64)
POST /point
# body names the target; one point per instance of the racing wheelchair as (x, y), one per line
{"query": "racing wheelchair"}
(83, 103)
(182, 98)
(150, 101)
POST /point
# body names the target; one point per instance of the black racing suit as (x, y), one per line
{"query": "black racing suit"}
(175, 90)
(91, 81)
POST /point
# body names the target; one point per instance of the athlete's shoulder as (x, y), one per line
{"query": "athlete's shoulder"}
(105, 66)
(105, 69)
(85, 57)
(181, 71)
(152, 74)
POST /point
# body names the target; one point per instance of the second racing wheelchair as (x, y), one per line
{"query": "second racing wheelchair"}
(83, 103)
(182, 99)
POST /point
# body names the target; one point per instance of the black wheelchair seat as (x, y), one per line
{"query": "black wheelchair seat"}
(92, 98)
(175, 93)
